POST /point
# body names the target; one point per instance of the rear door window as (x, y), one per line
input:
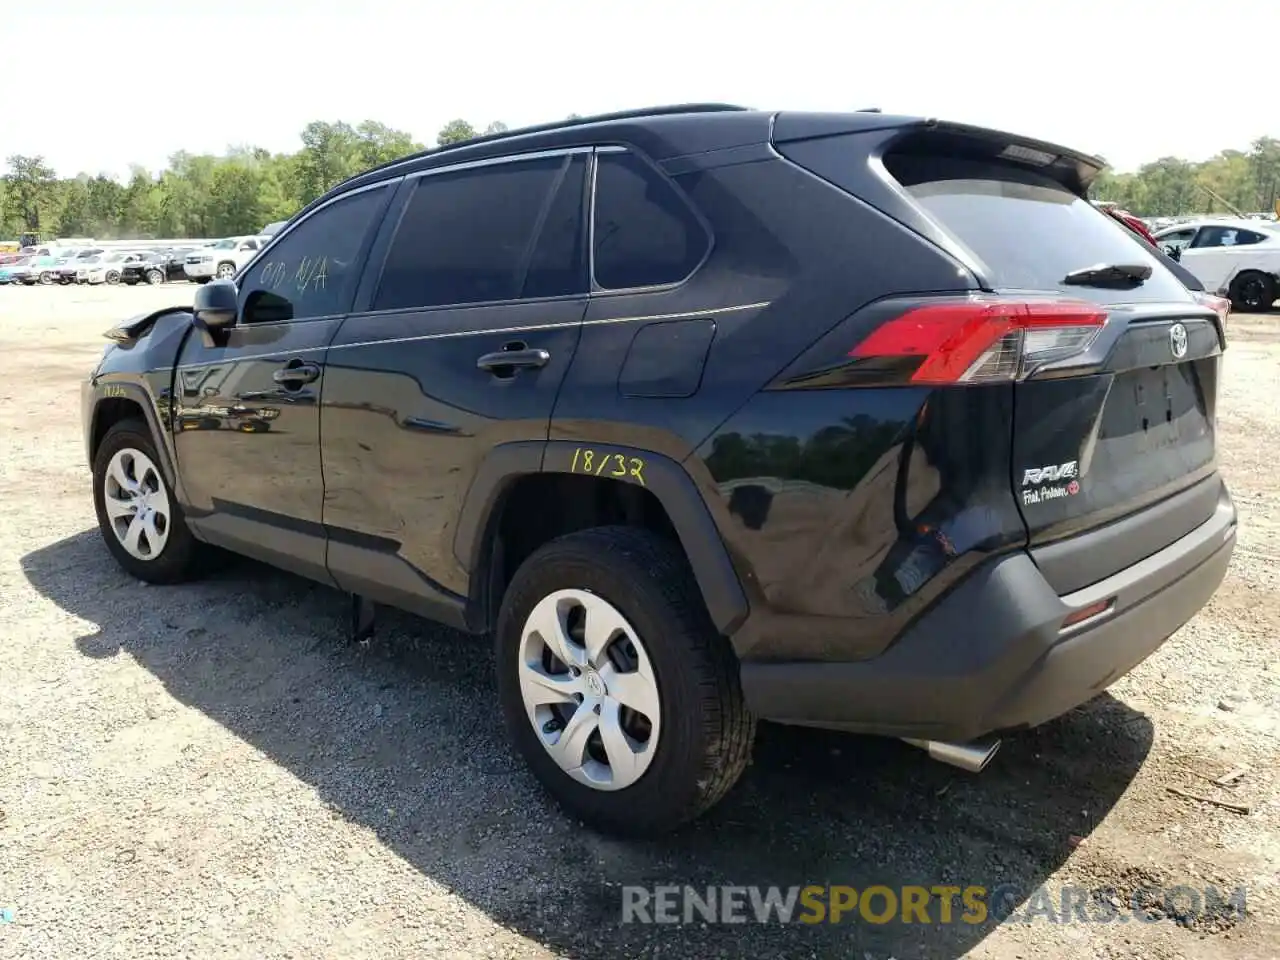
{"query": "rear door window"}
(497, 233)
(1225, 237)
(646, 234)
(1026, 230)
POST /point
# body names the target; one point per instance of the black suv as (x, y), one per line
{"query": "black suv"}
(158, 266)
(707, 414)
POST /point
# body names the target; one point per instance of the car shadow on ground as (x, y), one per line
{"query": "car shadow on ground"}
(409, 724)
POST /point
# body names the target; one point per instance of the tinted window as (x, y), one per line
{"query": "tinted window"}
(312, 270)
(1027, 230)
(495, 233)
(645, 232)
(1177, 239)
(1225, 237)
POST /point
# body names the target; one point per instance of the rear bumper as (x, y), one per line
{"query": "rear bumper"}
(993, 656)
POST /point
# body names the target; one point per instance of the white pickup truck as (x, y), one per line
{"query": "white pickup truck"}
(221, 259)
(1239, 259)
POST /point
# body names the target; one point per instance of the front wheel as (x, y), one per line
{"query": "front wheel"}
(616, 687)
(112, 277)
(154, 277)
(1252, 292)
(226, 271)
(47, 278)
(138, 514)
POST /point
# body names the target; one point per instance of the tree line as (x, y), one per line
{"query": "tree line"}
(200, 195)
(1248, 180)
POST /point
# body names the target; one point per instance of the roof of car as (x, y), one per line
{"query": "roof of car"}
(665, 131)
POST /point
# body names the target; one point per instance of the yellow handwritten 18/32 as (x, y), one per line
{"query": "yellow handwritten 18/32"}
(603, 464)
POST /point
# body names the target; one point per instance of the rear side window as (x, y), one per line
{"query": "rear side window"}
(1027, 230)
(1225, 237)
(646, 234)
(503, 232)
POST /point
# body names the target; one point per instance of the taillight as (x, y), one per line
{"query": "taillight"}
(1219, 305)
(981, 340)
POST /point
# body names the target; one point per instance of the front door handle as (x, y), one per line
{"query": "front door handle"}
(509, 360)
(296, 372)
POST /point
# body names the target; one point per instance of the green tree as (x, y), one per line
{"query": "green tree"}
(455, 131)
(29, 186)
(376, 143)
(74, 218)
(329, 156)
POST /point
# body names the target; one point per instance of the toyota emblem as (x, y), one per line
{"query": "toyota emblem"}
(1178, 341)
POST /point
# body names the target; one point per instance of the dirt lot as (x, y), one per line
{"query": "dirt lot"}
(212, 770)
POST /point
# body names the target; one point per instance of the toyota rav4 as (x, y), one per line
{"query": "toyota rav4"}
(706, 415)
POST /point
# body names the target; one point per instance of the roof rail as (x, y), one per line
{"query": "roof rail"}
(638, 113)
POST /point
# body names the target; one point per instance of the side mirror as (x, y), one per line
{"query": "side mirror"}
(1175, 253)
(214, 309)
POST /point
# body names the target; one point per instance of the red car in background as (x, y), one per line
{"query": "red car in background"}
(1128, 219)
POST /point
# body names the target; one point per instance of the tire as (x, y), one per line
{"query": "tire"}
(154, 277)
(1252, 292)
(225, 271)
(112, 277)
(128, 445)
(703, 730)
(47, 278)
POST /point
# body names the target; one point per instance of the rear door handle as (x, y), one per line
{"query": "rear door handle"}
(295, 371)
(504, 360)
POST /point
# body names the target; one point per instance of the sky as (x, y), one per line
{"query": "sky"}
(105, 85)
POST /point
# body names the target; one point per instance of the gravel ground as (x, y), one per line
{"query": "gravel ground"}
(212, 771)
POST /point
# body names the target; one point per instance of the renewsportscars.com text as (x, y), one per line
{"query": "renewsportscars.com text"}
(939, 903)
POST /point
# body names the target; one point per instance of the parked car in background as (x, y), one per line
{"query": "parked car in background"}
(1239, 259)
(271, 229)
(16, 270)
(106, 268)
(156, 267)
(1134, 223)
(67, 271)
(37, 267)
(49, 269)
(223, 258)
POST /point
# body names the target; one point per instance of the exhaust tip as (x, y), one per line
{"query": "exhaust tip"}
(971, 757)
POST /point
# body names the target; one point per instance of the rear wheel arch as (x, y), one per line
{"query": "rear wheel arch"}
(527, 494)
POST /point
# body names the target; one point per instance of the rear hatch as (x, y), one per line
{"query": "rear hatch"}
(1113, 421)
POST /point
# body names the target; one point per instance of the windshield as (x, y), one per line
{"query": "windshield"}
(224, 245)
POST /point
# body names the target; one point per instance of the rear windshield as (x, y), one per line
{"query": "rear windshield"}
(1027, 230)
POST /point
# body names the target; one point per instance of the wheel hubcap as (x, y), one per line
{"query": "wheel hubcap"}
(137, 504)
(589, 689)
